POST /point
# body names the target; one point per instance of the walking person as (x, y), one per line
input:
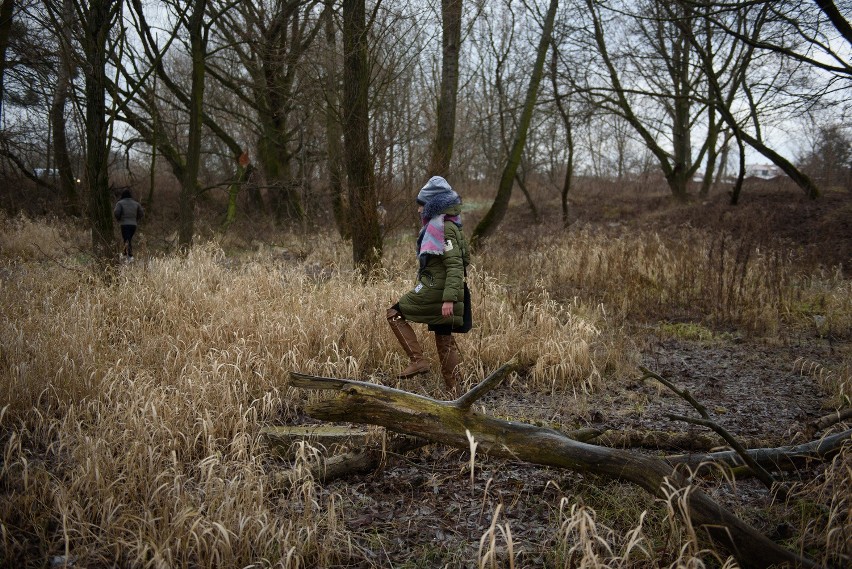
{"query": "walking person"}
(128, 212)
(440, 297)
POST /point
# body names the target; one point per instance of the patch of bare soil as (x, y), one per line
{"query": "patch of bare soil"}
(755, 391)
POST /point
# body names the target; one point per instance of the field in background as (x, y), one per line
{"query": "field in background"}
(132, 402)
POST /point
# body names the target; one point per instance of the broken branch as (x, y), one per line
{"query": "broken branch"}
(780, 458)
(762, 474)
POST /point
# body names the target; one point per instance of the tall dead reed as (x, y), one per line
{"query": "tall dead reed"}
(682, 274)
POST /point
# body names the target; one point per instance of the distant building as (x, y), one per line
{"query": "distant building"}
(763, 171)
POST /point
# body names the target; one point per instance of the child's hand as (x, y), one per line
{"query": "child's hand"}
(447, 309)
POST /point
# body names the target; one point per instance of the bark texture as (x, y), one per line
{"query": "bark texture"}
(366, 236)
(442, 146)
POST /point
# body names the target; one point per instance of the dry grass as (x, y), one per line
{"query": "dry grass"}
(26, 239)
(133, 401)
(822, 507)
(685, 274)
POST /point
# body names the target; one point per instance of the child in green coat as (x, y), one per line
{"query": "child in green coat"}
(440, 297)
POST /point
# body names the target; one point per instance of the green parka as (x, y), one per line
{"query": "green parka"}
(441, 280)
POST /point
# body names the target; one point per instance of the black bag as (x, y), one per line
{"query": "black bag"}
(467, 321)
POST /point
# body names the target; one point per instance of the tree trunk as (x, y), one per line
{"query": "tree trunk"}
(712, 123)
(800, 178)
(840, 23)
(189, 183)
(781, 458)
(829, 420)
(6, 14)
(98, 22)
(738, 186)
(488, 225)
(155, 126)
(280, 47)
(366, 235)
(333, 135)
(722, 171)
(452, 423)
(276, 162)
(442, 146)
(67, 182)
(666, 440)
(565, 113)
(681, 121)
(519, 178)
(344, 451)
(244, 170)
(712, 157)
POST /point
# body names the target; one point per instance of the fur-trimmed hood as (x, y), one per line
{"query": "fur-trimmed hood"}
(436, 196)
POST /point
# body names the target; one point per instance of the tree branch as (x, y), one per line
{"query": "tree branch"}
(781, 457)
(706, 421)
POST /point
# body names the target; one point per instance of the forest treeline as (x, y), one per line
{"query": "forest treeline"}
(293, 107)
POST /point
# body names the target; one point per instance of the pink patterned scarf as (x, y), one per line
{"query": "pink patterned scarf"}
(431, 239)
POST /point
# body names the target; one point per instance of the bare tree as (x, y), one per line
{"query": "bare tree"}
(366, 236)
(829, 158)
(61, 94)
(752, 24)
(563, 106)
(489, 223)
(442, 147)
(492, 96)
(333, 133)
(665, 64)
(60, 19)
(7, 11)
(189, 183)
(144, 109)
(402, 109)
(31, 67)
(97, 17)
(271, 40)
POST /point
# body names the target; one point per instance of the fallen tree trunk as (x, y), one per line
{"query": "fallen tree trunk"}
(368, 459)
(365, 460)
(831, 419)
(668, 440)
(452, 423)
(781, 458)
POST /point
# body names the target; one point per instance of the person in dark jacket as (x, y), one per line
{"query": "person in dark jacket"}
(128, 212)
(440, 297)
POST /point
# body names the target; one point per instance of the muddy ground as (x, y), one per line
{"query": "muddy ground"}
(425, 510)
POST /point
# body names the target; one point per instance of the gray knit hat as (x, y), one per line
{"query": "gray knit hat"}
(435, 186)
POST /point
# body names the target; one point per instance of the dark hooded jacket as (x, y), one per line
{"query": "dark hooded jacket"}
(127, 210)
(440, 279)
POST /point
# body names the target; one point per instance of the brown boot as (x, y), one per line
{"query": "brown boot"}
(408, 340)
(448, 355)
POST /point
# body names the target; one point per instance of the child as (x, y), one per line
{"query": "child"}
(440, 298)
